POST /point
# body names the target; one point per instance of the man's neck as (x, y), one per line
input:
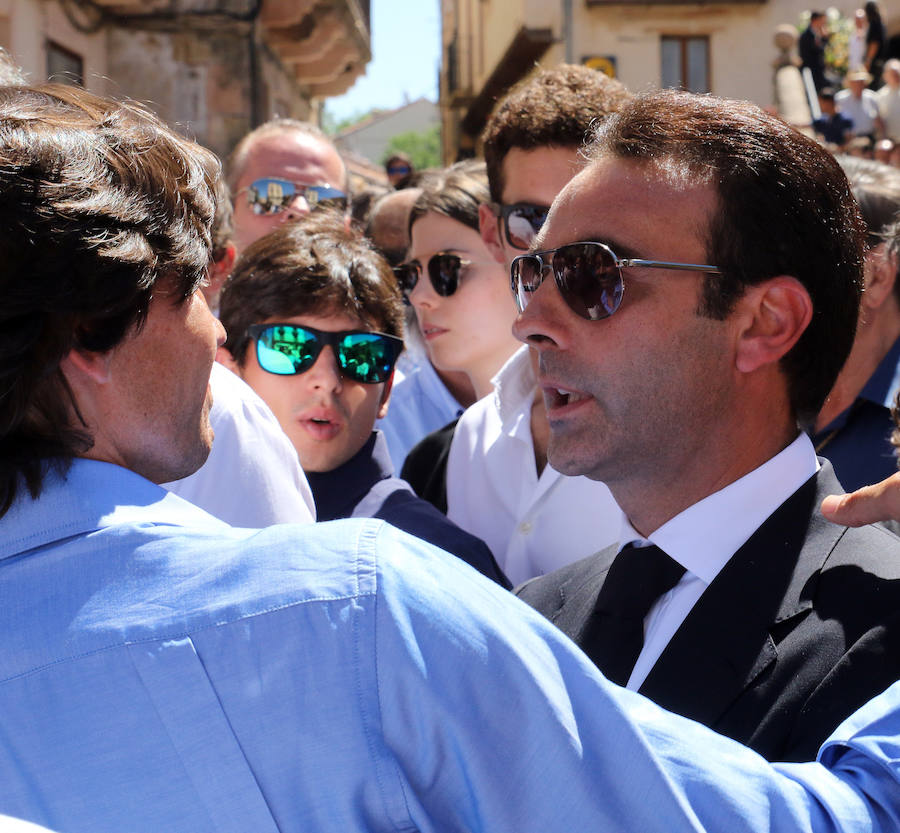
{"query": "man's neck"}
(459, 384)
(651, 501)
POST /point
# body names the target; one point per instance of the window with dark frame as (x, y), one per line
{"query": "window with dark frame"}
(64, 66)
(685, 62)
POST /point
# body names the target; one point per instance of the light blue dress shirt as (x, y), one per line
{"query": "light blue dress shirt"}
(161, 671)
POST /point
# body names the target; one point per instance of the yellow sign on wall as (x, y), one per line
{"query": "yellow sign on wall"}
(602, 63)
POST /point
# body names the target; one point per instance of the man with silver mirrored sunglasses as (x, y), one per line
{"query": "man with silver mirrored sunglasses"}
(314, 322)
(282, 171)
(692, 297)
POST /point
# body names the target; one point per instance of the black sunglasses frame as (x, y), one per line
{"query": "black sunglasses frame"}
(524, 209)
(609, 297)
(321, 338)
(444, 280)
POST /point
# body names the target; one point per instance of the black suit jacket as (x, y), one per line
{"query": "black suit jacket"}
(798, 630)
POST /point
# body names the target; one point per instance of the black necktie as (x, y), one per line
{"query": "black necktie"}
(614, 634)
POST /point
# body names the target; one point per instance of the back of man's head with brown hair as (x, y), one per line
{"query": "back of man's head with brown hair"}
(315, 266)
(553, 108)
(99, 201)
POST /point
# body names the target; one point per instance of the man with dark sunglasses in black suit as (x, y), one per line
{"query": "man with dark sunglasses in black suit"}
(729, 599)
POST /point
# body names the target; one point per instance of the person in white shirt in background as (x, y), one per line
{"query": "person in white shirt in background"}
(859, 104)
(856, 43)
(889, 101)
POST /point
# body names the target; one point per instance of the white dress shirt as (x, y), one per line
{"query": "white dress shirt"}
(252, 477)
(706, 535)
(889, 110)
(532, 524)
(863, 111)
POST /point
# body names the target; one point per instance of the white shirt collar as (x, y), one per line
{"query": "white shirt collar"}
(704, 536)
(513, 384)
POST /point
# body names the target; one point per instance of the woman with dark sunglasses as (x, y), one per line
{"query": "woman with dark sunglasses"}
(459, 293)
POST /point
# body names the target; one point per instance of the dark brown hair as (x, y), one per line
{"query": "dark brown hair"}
(785, 208)
(99, 201)
(316, 267)
(456, 192)
(553, 108)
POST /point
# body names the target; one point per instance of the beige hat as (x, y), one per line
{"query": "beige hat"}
(859, 74)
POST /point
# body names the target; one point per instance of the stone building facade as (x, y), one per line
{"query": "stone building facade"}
(721, 47)
(213, 68)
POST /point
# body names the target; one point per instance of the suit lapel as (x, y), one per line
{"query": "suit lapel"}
(725, 643)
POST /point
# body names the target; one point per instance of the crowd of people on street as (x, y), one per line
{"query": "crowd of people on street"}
(858, 113)
(508, 497)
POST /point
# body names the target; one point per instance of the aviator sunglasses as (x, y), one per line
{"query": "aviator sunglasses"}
(288, 349)
(522, 221)
(588, 275)
(271, 195)
(443, 271)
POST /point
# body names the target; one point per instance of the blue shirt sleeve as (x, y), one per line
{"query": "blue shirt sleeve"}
(497, 722)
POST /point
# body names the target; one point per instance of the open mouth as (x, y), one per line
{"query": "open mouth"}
(559, 397)
(321, 428)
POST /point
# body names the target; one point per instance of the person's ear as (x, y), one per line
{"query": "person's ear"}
(219, 270)
(881, 275)
(223, 356)
(386, 396)
(772, 315)
(489, 226)
(87, 364)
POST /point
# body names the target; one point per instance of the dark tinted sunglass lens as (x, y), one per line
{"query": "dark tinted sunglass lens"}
(366, 357)
(444, 270)
(407, 277)
(523, 223)
(588, 279)
(286, 350)
(525, 273)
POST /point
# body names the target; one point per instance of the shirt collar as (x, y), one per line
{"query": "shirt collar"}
(336, 492)
(513, 384)
(86, 496)
(704, 536)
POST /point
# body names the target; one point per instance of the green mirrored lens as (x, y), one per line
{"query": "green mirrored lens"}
(366, 357)
(286, 350)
